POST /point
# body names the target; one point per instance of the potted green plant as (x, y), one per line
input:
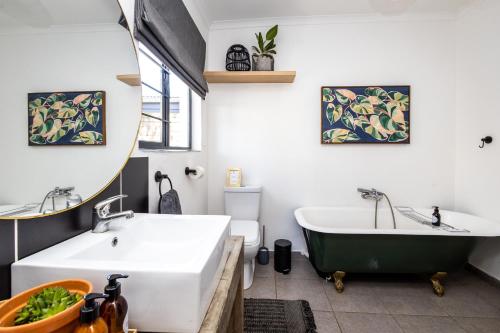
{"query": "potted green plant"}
(51, 307)
(262, 58)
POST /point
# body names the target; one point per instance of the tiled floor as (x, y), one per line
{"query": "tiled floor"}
(385, 304)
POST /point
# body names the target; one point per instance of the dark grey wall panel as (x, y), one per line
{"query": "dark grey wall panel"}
(135, 185)
(6, 256)
(40, 233)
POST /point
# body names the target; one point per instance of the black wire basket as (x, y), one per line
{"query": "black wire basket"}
(238, 58)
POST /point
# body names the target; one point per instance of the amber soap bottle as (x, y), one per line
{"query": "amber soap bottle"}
(90, 322)
(114, 310)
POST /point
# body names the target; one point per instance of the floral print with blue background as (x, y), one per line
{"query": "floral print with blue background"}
(367, 114)
(66, 118)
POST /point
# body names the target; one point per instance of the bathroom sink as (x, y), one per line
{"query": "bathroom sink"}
(174, 263)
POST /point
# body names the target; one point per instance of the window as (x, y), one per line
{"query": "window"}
(166, 106)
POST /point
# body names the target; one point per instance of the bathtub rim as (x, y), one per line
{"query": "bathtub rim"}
(302, 221)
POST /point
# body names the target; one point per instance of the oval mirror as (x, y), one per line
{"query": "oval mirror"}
(68, 124)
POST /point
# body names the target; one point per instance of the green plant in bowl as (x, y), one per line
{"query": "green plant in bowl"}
(50, 301)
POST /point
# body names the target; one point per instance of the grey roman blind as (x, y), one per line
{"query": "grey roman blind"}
(166, 29)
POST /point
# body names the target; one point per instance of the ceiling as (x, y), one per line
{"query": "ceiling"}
(49, 13)
(222, 10)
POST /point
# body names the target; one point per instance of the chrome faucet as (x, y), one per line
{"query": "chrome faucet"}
(101, 215)
(373, 194)
(58, 192)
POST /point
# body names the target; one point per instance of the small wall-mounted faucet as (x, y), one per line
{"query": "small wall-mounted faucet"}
(487, 139)
(372, 194)
(101, 215)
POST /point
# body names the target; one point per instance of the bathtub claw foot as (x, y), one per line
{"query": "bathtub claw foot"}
(436, 283)
(337, 278)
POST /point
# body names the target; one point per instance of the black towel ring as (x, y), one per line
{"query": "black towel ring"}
(159, 178)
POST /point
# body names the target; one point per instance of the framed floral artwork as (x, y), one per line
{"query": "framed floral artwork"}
(365, 114)
(67, 118)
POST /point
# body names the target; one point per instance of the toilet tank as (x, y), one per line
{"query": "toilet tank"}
(242, 203)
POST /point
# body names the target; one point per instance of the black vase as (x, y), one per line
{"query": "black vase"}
(238, 58)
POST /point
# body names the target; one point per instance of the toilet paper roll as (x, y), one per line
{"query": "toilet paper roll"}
(200, 171)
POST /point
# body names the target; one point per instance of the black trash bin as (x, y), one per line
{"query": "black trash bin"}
(283, 256)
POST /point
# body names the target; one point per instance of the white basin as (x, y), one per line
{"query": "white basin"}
(174, 263)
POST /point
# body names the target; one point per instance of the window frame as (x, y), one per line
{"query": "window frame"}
(165, 113)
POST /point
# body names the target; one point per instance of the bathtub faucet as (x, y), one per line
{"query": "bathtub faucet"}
(372, 194)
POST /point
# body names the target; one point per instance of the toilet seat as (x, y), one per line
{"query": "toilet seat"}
(248, 229)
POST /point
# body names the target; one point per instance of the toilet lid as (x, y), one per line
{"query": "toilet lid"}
(248, 229)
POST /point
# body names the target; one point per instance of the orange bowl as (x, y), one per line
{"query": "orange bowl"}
(63, 322)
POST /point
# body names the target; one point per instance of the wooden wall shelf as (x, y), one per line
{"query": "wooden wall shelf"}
(133, 80)
(249, 77)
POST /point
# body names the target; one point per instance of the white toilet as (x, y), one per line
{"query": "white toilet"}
(243, 205)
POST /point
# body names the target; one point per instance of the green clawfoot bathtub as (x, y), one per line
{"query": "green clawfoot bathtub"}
(344, 240)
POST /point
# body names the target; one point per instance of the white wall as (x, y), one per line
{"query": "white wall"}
(192, 193)
(478, 69)
(64, 59)
(272, 131)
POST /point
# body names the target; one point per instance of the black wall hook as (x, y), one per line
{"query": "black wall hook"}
(487, 139)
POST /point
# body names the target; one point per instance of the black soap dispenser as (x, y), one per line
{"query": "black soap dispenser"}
(90, 322)
(114, 309)
(436, 217)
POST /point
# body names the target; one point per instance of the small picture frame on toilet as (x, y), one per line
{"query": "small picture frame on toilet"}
(233, 177)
